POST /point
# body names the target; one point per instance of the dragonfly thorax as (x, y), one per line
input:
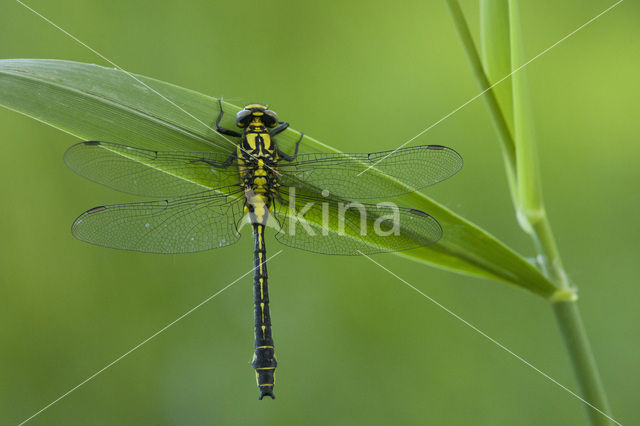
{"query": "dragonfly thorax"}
(257, 161)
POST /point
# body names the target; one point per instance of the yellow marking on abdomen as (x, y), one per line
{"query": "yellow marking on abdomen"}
(261, 289)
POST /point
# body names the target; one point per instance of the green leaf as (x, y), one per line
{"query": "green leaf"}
(530, 203)
(490, 90)
(97, 103)
(496, 52)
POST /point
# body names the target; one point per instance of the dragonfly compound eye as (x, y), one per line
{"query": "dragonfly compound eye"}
(270, 118)
(243, 117)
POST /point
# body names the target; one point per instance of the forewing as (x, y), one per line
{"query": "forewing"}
(192, 223)
(361, 176)
(150, 173)
(331, 226)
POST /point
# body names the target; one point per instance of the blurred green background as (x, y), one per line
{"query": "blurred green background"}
(355, 345)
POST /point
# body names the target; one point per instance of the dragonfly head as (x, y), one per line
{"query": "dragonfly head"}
(258, 114)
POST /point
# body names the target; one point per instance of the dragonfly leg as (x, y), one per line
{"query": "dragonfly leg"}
(222, 130)
(282, 125)
(287, 157)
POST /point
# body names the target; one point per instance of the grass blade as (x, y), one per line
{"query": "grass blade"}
(529, 199)
(97, 103)
(496, 52)
(496, 58)
(501, 123)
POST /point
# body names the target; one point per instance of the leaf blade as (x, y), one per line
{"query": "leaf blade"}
(99, 103)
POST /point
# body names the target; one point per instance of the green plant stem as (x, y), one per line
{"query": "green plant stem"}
(546, 247)
(500, 124)
(495, 41)
(584, 364)
(537, 225)
(573, 332)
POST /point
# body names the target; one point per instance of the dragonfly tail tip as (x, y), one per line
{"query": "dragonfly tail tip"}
(266, 392)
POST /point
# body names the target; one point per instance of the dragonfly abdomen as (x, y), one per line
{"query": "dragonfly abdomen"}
(264, 360)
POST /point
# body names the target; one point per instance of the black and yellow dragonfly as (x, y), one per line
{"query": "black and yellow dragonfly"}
(313, 200)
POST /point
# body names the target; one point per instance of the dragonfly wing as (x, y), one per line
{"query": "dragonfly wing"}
(186, 224)
(150, 173)
(361, 175)
(331, 226)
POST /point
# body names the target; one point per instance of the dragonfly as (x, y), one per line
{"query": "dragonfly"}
(312, 200)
